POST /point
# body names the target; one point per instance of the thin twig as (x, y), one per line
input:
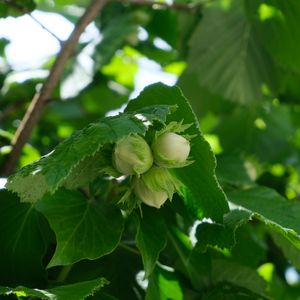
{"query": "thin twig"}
(45, 28)
(40, 99)
(24, 10)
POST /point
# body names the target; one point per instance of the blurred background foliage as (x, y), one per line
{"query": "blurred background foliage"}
(238, 63)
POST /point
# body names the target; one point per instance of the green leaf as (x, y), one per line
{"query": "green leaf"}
(234, 235)
(52, 170)
(231, 169)
(269, 207)
(237, 274)
(221, 235)
(23, 242)
(76, 291)
(86, 171)
(290, 252)
(151, 237)
(250, 236)
(22, 291)
(262, 204)
(120, 268)
(121, 26)
(163, 285)
(202, 100)
(196, 265)
(3, 43)
(199, 269)
(98, 98)
(83, 229)
(123, 67)
(279, 289)
(227, 56)
(16, 7)
(168, 32)
(256, 131)
(278, 23)
(230, 292)
(202, 192)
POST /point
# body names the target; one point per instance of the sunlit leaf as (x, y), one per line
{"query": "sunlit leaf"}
(164, 284)
(76, 291)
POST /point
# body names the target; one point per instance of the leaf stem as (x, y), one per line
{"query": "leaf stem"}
(62, 276)
(130, 249)
(182, 253)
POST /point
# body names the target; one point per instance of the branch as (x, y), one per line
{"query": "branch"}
(40, 99)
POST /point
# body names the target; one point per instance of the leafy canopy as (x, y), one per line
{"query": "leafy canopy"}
(73, 228)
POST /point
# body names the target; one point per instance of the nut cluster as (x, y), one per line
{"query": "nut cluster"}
(153, 183)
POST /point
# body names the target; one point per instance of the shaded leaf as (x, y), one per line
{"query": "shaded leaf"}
(269, 207)
(120, 268)
(239, 275)
(151, 237)
(168, 32)
(16, 7)
(277, 24)
(202, 99)
(98, 98)
(121, 25)
(291, 253)
(230, 292)
(199, 268)
(231, 169)
(227, 56)
(83, 229)
(250, 236)
(221, 235)
(256, 131)
(23, 242)
(3, 43)
(196, 265)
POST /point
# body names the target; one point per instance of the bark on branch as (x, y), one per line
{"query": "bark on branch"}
(40, 99)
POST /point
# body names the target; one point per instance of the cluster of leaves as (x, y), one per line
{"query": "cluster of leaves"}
(234, 231)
